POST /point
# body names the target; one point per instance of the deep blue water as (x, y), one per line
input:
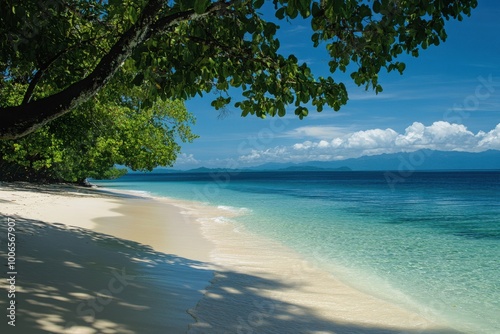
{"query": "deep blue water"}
(427, 240)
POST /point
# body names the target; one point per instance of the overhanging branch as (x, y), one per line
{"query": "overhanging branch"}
(18, 121)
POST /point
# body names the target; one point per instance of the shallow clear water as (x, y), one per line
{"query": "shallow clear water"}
(430, 242)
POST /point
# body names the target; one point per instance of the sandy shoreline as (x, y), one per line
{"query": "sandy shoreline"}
(93, 262)
(97, 262)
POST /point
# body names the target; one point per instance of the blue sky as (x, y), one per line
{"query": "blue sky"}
(447, 99)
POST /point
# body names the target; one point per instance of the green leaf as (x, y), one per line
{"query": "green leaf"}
(304, 7)
(258, 3)
(269, 29)
(280, 13)
(316, 10)
(291, 9)
(442, 34)
(281, 111)
(200, 6)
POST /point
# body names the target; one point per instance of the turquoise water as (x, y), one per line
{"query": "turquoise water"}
(430, 242)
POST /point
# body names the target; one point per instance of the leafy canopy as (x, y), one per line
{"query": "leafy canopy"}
(108, 129)
(62, 52)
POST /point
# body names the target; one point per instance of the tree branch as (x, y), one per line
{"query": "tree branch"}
(38, 76)
(162, 25)
(43, 68)
(18, 121)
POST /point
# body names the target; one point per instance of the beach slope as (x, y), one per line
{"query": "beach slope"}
(93, 262)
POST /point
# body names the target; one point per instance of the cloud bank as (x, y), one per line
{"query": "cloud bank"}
(186, 159)
(441, 136)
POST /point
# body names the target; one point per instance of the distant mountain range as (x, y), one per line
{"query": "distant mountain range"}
(418, 160)
(414, 161)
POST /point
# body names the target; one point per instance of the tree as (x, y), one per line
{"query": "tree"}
(63, 52)
(109, 129)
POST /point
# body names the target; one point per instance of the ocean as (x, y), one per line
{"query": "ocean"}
(427, 241)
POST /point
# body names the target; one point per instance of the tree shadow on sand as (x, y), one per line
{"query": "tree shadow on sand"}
(72, 280)
(67, 188)
(237, 303)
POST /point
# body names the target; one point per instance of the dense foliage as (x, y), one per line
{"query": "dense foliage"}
(107, 130)
(61, 53)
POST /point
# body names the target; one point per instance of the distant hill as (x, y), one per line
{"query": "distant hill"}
(307, 168)
(419, 160)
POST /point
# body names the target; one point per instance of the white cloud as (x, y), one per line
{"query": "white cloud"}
(319, 132)
(323, 144)
(298, 28)
(308, 61)
(439, 136)
(490, 140)
(371, 139)
(442, 136)
(186, 159)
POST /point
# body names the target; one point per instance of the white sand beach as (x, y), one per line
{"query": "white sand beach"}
(95, 261)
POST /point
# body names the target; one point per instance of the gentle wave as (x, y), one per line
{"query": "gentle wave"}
(235, 210)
